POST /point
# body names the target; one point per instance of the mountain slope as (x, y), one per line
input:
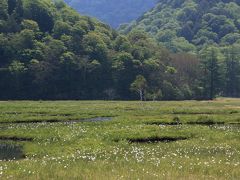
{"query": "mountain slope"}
(49, 51)
(113, 12)
(189, 25)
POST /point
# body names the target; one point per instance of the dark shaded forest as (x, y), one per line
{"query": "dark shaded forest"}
(49, 51)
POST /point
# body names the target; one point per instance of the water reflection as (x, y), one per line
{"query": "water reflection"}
(10, 151)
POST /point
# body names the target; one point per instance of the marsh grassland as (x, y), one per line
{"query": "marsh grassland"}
(120, 140)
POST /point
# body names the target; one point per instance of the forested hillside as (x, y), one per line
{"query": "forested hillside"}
(113, 12)
(49, 51)
(191, 25)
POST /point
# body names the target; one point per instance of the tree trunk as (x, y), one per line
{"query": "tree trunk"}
(141, 94)
(212, 78)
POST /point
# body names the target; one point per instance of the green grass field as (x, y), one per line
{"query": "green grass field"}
(143, 140)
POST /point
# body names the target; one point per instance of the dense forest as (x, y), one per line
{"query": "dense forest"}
(189, 26)
(112, 12)
(49, 51)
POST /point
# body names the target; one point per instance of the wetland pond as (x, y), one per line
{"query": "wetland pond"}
(94, 119)
(10, 151)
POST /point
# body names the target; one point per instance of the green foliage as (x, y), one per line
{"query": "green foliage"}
(49, 51)
(232, 65)
(139, 85)
(40, 11)
(155, 94)
(30, 25)
(187, 26)
(51, 41)
(213, 71)
(3, 10)
(16, 67)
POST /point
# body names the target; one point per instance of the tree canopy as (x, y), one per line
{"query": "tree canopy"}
(49, 51)
(189, 26)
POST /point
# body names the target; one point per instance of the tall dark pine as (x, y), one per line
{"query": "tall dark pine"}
(232, 72)
(212, 78)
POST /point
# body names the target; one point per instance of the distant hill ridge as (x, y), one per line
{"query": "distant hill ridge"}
(113, 12)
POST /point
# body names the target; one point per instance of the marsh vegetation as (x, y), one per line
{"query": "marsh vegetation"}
(113, 139)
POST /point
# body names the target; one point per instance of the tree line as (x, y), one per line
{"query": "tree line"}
(49, 51)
